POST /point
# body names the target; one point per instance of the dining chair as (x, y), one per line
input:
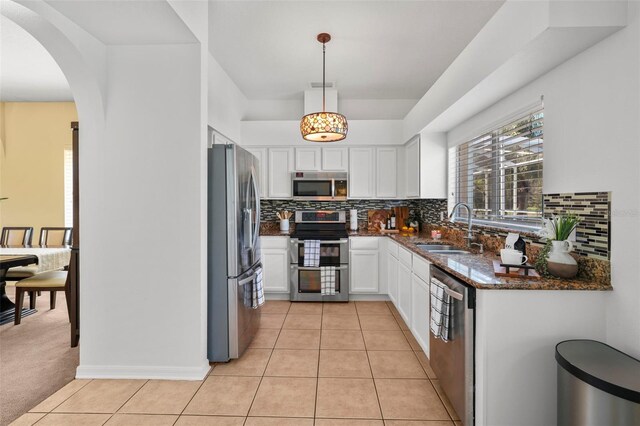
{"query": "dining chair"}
(51, 281)
(16, 236)
(55, 236)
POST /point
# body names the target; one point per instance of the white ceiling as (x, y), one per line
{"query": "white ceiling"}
(379, 49)
(27, 70)
(126, 21)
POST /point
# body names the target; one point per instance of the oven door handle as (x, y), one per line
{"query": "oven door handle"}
(340, 241)
(306, 268)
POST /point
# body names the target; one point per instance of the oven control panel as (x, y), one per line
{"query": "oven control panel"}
(328, 216)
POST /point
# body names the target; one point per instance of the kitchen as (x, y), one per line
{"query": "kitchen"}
(396, 154)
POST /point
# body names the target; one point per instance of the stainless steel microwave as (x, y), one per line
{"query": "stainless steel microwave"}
(319, 186)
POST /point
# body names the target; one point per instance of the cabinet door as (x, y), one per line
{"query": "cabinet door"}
(307, 159)
(412, 168)
(404, 292)
(275, 264)
(361, 173)
(261, 155)
(363, 266)
(392, 278)
(335, 159)
(420, 312)
(386, 173)
(280, 168)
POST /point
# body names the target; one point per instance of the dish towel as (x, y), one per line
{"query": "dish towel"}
(328, 280)
(441, 310)
(257, 296)
(312, 253)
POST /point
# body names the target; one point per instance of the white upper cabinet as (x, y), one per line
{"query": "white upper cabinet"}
(335, 159)
(261, 155)
(424, 166)
(280, 168)
(308, 159)
(433, 165)
(362, 172)
(386, 172)
(412, 168)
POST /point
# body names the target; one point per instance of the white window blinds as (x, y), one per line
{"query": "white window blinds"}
(499, 173)
(68, 187)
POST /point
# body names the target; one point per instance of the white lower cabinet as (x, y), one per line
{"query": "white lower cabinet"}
(404, 292)
(275, 264)
(420, 311)
(365, 266)
(392, 277)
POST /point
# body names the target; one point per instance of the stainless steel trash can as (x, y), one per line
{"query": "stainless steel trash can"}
(597, 385)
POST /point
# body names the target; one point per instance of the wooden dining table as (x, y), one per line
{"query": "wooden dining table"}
(7, 261)
(45, 257)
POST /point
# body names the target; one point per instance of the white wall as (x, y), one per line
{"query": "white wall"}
(592, 123)
(361, 132)
(227, 104)
(141, 191)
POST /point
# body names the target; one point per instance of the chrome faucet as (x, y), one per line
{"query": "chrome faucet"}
(469, 236)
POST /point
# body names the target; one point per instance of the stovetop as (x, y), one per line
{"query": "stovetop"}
(320, 235)
(320, 231)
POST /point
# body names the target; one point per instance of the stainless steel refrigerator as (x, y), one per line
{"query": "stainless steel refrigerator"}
(233, 250)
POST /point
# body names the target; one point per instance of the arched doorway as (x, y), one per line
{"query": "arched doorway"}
(60, 43)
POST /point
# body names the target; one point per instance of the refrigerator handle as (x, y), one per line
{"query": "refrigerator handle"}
(256, 191)
(248, 227)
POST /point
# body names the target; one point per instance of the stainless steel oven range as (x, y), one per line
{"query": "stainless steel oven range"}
(329, 227)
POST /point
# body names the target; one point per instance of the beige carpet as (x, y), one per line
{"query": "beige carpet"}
(35, 357)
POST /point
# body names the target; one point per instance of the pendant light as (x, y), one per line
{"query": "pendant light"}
(324, 126)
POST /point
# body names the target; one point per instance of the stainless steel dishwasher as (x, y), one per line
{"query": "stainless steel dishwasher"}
(453, 360)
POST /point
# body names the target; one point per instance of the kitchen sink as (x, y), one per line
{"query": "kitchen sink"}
(441, 248)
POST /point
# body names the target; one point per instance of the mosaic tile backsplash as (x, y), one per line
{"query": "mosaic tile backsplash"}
(268, 208)
(593, 208)
(594, 211)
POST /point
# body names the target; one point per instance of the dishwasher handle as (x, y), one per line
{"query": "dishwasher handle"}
(454, 294)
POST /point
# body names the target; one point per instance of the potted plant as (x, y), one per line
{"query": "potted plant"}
(557, 230)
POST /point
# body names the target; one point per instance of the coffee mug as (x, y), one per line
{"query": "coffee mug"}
(513, 257)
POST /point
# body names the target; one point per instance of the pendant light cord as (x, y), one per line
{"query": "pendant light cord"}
(324, 47)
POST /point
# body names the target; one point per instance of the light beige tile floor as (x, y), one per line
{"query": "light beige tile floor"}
(310, 364)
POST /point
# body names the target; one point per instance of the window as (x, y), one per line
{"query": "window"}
(499, 174)
(68, 187)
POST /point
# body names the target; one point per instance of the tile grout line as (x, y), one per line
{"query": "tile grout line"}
(442, 401)
(265, 367)
(194, 394)
(315, 402)
(375, 388)
(65, 400)
(123, 404)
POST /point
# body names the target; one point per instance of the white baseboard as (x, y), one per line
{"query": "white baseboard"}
(142, 372)
(369, 297)
(276, 296)
(352, 296)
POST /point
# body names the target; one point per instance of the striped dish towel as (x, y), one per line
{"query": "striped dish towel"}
(328, 280)
(312, 253)
(257, 293)
(441, 309)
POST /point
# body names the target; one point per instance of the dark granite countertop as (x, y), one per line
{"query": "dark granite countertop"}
(474, 269)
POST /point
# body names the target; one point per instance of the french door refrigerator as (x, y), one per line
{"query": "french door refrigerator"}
(233, 250)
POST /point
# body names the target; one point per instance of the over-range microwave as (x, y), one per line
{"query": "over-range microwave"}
(319, 186)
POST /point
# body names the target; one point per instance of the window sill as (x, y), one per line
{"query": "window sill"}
(526, 230)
